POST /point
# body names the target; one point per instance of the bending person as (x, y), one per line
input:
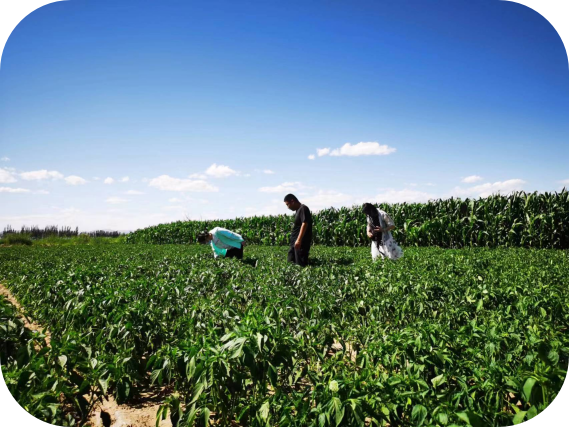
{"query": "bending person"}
(379, 226)
(224, 243)
(301, 236)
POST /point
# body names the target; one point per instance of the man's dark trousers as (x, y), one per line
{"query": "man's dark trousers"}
(235, 253)
(299, 256)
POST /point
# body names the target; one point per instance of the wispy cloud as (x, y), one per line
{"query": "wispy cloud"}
(471, 179)
(14, 190)
(168, 183)
(220, 171)
(41, 175)
(285, 187)
(197, 176)
(359, 149)
(125, 179)
(487, 189)
(311, 157)
(5, 159)
(134, 192)
(268, 172)
(75, 180)
(109, 180)
(6, 176)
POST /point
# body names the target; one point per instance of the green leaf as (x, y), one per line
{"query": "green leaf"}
(532, 412)
(443, 418)
(206, 414)
(438, 380)
(470, 418)
(519, 417)
(528, 386)
(198, 392)
(104, 385)
(418, 415)
(62, 360)
(264, 411)
(337, 409)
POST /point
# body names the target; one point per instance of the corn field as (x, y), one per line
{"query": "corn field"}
(537, 220)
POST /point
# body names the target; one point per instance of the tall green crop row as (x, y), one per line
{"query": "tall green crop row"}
(536, 220)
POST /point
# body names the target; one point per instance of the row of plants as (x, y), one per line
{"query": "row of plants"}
(536, 220)
(442, 337)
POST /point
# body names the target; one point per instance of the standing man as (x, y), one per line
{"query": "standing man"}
(301, 236)
(224, 243)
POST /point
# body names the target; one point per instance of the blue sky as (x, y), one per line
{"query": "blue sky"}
(215, 109)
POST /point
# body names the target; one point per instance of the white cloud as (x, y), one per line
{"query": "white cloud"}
(285, 187)
(311, 157)
(116, 200)
(175, 200)
(564, 182)
(502, 187)
(134, 192)
(41, 192)
(41, 175)
(220, 171)
(268, 172)
(125, 179)
(75, 180)
(197, 176)
(96, 178)
(325, 199)
(13, 190)
(6, 176)
(109, 180)
(472, 178)
(487, 189)
(168, 183)
(359, 149)
(5, 159)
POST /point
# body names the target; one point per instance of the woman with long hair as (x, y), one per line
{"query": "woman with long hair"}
(379, 226)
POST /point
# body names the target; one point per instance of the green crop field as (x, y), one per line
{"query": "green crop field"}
(471, 336)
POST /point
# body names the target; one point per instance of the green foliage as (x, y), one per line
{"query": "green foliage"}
(17, 239)
(470, 336)
(536, 220)
(35, 373)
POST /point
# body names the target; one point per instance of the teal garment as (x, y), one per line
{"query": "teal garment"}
(226, 238)
(218, 251)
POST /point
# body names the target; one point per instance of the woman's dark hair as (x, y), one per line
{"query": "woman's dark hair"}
(290, 198)
(371, 211)
(202, 237)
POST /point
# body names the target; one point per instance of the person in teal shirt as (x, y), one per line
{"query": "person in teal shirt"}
(225, 243)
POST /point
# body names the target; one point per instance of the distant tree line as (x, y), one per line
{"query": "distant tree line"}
(36, 232)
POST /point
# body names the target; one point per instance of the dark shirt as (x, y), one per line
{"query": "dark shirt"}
(302, 216)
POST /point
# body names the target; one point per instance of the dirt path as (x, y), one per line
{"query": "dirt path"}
(141, 413)
(32, 326)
